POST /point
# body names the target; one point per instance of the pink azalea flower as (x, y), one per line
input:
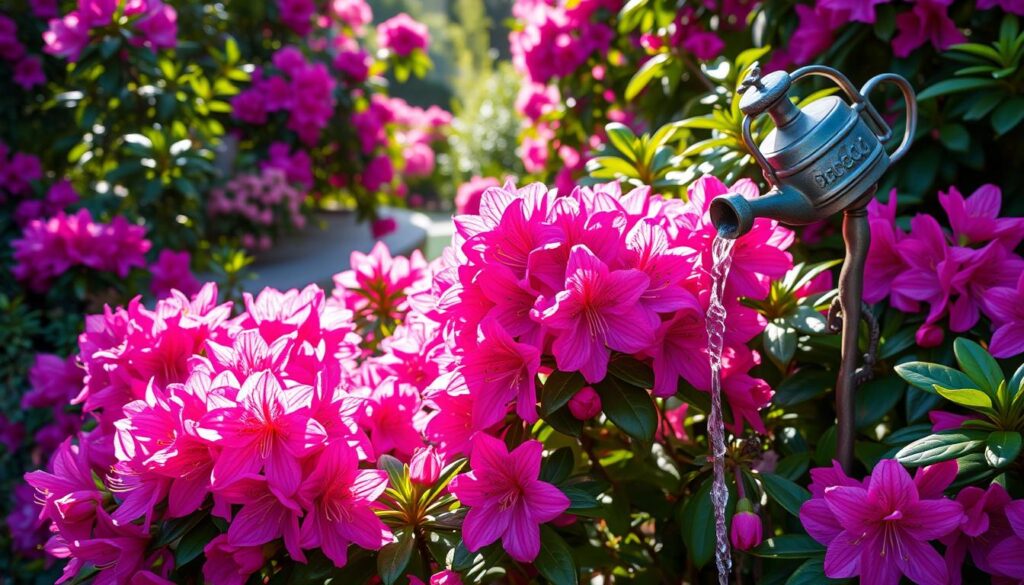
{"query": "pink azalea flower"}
(585, 404)
(425, 465)
(985, 525)
(403, 35)
(338, 497)
(1005, 557)
(505, 498)
(858, 10)
(885, 262)
(680, 351)
(97, 13)
(266, 514)
(391, 410)
(1005, 306)
(467, 198)
(230, 565)
(926, 21)
(67, 36)
(703, 44)
(975, 220)
(450, 425)
(498, 370)
(598, 312)
(172, 271)
(158, 26)
(28, 72)
(815, 31)
(1011, 6)
(262, 431)
(69, 494)
(54, 380)
(880, 531)
(354, 13)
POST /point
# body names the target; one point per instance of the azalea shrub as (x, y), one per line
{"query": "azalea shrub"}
(644, 64)
(533, 405)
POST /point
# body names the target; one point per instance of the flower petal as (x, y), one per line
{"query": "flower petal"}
(921, 563)
(842, 559)
(483, 525)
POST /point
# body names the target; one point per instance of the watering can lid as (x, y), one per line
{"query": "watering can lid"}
(760, 93)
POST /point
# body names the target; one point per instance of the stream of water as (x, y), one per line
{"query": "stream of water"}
(721, 256)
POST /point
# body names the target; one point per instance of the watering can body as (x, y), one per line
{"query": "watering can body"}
(821, 159)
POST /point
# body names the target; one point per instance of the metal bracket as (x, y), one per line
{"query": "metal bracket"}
(835, 324)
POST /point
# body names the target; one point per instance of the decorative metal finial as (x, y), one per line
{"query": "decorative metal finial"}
(753, 79)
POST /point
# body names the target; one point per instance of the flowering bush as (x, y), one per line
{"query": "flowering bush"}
(534, 405)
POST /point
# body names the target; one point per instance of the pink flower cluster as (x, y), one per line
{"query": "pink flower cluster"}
(959, 273)
(49, 248)
(153, 23)
(582, 275)
(17, 172)
(926, 21)
(263, 200)
(355, 14)
(302, 89)
(172, 271)
(557, 38)
(880, 528)
(297, 15)
(28, 69)
(402, 35)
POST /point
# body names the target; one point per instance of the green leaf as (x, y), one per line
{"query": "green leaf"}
(631, 371)
(949, 86)
(780, 343)
(1002, 448)
(955, 137)
(192, 544)
(941, 446)
(558, 389)
(786, 493)
(978, 364)
(812, 572)
(984, 104)
(926, 376)
(394, 557)
(629, 407)
(557, 466)
(580, 502)
(974, 399)
(564, 422)
(698, 525)
(789, 546)
(806, 320)
(647, 72)
(1017, 382)
(623, 139)
(805, 384)
(1008, 115)
(555, 560)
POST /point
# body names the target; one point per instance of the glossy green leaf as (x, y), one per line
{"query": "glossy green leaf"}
(393, 558)
(557, 466)
(558, 389)
(780, 343)
(1002, 448)
(647, 72)
(555, 560)
(975, 399)
(955, 137)
(950, 86)
(812, 572)
(623, 139)
(926, 376)
(789, 546)
(631, 371)
(979, 365)
(629, 407)
(942, 446)
(786, 493)
(1008, 115)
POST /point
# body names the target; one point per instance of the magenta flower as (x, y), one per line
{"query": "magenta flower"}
(391, 409)
(745, 531)
(28, 72)
(230, 565)
(1011, 6)
(505, 498)
(499, 370)
(467, 198)
(262, 431)
(885, 262)
(425, 465)
(54, 380)
(680, 350)
(67, 36)
(266, 514)
(926, 21)
(1006, 308)
(172, 270)
(338, 497)
(858, 10)
(975, 220)
(585, 404)
(402, 35)
(985, 525)
(881, 531)
(1005, 557)
(598, 312)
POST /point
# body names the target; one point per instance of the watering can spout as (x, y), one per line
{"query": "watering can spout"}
(733, 214)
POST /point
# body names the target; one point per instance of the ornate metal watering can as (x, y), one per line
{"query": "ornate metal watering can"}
(821, 160)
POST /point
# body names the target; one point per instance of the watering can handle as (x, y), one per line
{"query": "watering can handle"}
(911, 102)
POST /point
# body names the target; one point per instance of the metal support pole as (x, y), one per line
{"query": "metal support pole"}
(857, 235)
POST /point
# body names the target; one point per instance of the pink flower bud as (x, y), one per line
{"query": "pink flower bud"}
(425, 466)
(745, 532)
(929, 335)
(585, 404)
